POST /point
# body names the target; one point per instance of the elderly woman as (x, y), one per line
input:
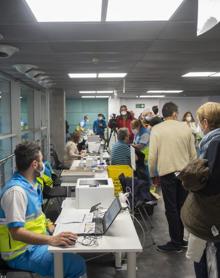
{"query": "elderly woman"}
(201, 210)
(71, 151)
(121, 150)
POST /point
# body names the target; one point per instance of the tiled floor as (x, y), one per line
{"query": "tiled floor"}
(151, 263)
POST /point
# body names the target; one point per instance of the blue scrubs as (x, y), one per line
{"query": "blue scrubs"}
(37, 259)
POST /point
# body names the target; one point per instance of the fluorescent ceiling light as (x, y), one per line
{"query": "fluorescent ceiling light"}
(165, 91)
(217, 74)
(198, 74)
(112, 75)
(104, 92)
(66, 10)
(87, 92)
(102, 97)
(87, 96)
(82, 75)
(141, 10)
(152, 96)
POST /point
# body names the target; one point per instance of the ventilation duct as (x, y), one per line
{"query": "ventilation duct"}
(7, 51)
(24, 68)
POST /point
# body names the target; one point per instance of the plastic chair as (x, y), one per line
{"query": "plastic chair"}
(5, 270)
(114, 171)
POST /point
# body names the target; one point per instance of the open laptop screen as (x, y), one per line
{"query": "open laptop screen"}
(111, 213)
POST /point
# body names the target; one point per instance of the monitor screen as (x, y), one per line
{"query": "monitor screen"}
(111, 213)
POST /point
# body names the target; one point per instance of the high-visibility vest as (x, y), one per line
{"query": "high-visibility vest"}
(35, 220)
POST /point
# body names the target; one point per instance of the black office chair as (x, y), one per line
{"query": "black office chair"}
(55, 162)
(140, 205)
(5, 270)
(57, 193)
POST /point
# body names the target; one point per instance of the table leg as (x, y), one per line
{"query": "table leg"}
(131, 267)
(118, 260)
(58, 265)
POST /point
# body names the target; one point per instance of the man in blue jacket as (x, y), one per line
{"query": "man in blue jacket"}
(99, 126)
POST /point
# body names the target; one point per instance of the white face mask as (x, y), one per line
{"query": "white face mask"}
(134, 131)
(100, 118)
(41, 172)
(124, 113)
(188, 118)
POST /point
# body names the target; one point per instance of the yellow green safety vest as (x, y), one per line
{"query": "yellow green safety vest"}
(35, 220)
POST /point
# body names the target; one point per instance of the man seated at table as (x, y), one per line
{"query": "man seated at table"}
(120, 154)
(24, 232)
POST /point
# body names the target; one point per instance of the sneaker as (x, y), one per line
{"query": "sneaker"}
(169, 247)
(184, 244)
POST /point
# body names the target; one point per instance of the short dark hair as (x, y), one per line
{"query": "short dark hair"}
(168, 109)
(155, 109)
(122, 133)
(25, 154)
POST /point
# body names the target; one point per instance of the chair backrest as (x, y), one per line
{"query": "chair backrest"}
(55, 162)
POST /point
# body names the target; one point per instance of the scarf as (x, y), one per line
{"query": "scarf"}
(206, 140)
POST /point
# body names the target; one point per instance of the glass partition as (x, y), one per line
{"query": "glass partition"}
(27, 113)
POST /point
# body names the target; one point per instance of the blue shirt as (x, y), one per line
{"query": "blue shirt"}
(99, 127)
(142, 137)
(120, 154)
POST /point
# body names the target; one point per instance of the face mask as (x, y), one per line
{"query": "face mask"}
(100, 118)
(148, 118)
(188, 118)
(135, 131)
(123, 113)
(41, 171)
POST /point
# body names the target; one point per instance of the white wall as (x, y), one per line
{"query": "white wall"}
(184, 103)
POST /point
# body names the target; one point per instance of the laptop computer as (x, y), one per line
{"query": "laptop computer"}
(101, 225)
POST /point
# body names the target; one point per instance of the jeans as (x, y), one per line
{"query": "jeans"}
(38, 260)
(174, 196)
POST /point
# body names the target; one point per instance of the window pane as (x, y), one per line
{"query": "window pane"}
(27, 113)
(5, 150)
(5, 107)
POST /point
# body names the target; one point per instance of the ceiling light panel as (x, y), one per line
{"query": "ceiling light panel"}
(105, 92)
(152, 96)
(82, 75)
(165, 91)
(217, 74)
(87, 92)
(199, 74)
(66, 10)
(87, 96)
(102, 97)
(112, 75)
(141, 10)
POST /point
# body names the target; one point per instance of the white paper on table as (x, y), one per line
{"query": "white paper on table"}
(71, 216)
(77, 228)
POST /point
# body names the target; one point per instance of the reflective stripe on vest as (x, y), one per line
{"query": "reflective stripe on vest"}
(11, 248)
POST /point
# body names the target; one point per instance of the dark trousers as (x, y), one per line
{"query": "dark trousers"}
(174, 196)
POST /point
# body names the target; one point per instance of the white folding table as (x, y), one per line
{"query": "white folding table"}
(121, 237)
